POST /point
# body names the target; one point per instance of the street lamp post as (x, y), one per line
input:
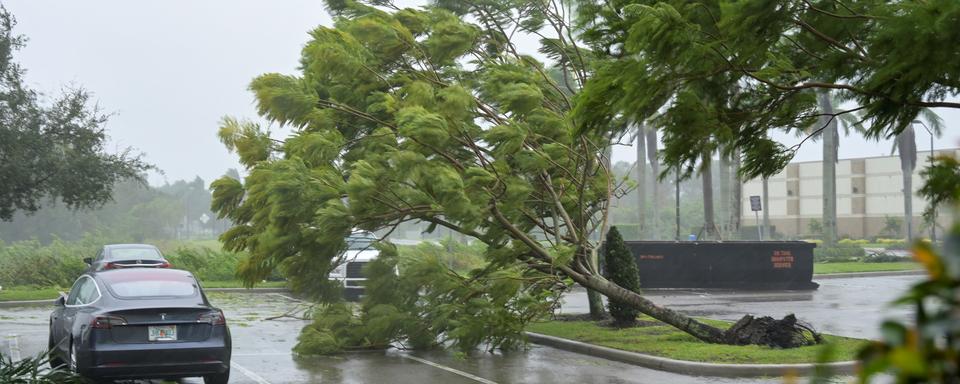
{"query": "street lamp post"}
(933, 219)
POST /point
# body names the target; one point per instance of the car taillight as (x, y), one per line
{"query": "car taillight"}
(106, 321)
(111, 266)
(213, 318)
(165, 264)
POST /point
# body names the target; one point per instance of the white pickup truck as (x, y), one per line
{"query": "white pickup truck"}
(360, 251)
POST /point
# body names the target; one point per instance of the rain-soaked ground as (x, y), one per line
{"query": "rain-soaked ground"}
(261, 347)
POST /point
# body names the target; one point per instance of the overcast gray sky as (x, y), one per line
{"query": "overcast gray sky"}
(169, 70)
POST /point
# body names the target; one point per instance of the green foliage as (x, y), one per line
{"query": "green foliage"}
(621, 269)
(34, 370)
(883, 257)
(725, 72)
(455, 255)
(428, 305)
(859, 242)
(838, 253)
(815, 227)
(52, 151)
(942, 183)
(205, 263)
(62, 262)
(925, 349)
(892, 226)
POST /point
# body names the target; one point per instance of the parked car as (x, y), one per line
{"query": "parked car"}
(113, 256)
(140, 323)
(360, 251)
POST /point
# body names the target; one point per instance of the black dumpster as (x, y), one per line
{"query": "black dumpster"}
(724, 264)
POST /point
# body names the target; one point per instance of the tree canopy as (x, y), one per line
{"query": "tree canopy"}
(420, 115)
(721, 73)
(52, 151)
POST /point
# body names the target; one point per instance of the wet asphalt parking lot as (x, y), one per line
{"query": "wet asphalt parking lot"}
(261, 347)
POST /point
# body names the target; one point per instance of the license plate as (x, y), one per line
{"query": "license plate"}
(163, 333)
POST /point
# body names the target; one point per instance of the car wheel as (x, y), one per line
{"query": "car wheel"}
(55, 360)
(219, 378)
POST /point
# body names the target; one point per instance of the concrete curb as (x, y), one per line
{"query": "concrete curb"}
(690, 367)
(913, 272)
(23, 303)
(18, 303)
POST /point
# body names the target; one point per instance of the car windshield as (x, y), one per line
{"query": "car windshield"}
(359, 243)
(128, 284)
(135, 254)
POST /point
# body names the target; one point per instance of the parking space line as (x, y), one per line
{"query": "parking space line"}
(449, 369)
(249, 373)
(14, 344)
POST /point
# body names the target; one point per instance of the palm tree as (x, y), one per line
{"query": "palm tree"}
(827, 129)
(641, 180)
(905, 145)
(709, 224)
(654, 229)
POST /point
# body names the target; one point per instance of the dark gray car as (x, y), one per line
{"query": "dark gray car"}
(140, 323)
(114, 256)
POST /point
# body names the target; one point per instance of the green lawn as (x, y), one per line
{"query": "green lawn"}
(22, 293)
(824, 268)
(666, 341)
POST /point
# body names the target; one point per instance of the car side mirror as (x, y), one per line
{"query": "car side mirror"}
(61, 301)
(88, 260)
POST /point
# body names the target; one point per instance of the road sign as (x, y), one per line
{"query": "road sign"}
(755, 203)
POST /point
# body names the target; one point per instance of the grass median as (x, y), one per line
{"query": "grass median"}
(850, 267)
(658, 339)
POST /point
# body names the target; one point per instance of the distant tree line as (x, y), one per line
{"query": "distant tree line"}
(137, 213)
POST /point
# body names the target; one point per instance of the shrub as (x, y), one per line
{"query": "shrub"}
(33, 370)
(883, 257)
(61, 262)
(205, 263)
(621, 270)
(860, 242)
(897, 246)
(838, 253)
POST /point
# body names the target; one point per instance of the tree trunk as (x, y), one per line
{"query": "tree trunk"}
(654, 228)
(641, 182)
(595, 301)
(723, 210)
(678, 320)
(907, 146)
(597, 312)
(709, 224)
(737, 211)
(830, 144)
(765, 206)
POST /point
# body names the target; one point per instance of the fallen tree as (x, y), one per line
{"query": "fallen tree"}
(416, 115)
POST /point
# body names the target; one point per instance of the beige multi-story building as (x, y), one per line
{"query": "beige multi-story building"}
(868, 191)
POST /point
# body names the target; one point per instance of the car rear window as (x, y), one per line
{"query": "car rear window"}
(357, 243)
(127, 284)
(135, 254)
